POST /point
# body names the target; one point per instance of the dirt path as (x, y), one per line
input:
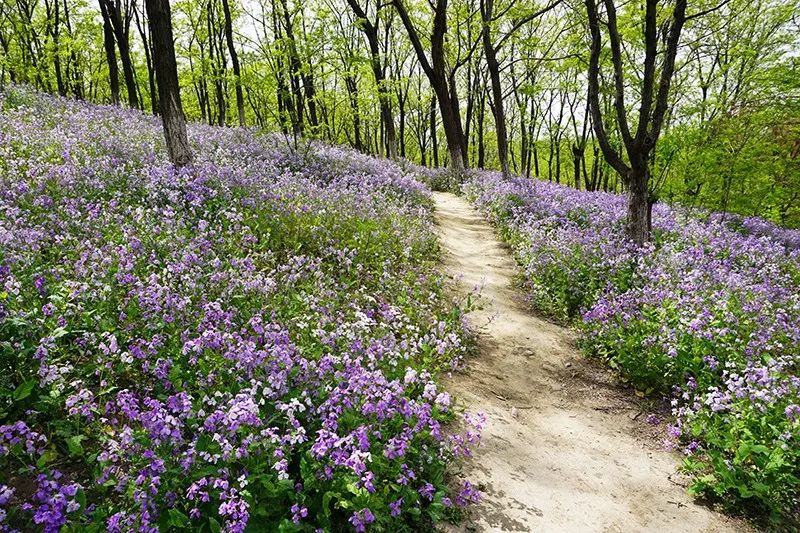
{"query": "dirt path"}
(565, 448)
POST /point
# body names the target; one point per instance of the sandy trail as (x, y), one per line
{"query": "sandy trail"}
(563, 448)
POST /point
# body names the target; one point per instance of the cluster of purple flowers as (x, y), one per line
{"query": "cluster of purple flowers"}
(254, 340)
(709, 312)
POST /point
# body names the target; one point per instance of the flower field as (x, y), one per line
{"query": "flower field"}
(707, 315)
(253, 342)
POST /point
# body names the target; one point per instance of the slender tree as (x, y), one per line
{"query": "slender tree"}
(237, 69)
(119, 15)
(436, 71)
(490, 51)
(370, 30)
(111, 53)
(169, 94)
(148, 55)
(654, 98)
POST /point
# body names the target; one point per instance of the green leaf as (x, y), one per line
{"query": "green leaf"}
(175, 374)
(326, 502)
(743, 452)
(80, 497)
(75, 446)
(49, 455)
(744, 491)
(213, 525)
(178, 519)
(24, 390)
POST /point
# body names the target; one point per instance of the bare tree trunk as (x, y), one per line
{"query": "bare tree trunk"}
(352, 94)
(237, 71)
(148, 55)
(217, 60)
(402, 131)
(111, 54)
(481, 115)
(120, 25)
(638, 223)
(434, 137)
(295, 69)
(53, 12)
(492, 65)
(654, 103)
(370, 30)
(435, 70)
(169, 95)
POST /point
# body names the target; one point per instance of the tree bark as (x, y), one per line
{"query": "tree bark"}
(352, 95)
(481, 115)
(434, 137)
(640, 144)
(638, 223)
(53, 12)
(435, 70)
(148, 55)
(217, 60)
(295, 70)
(237, 70)
(169, 96)
(120, 25)
(493, 66)
(111, 54)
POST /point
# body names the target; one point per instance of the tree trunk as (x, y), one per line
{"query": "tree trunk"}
(577, 156)
(493, 66)
(237, 70)
(53, 28)
(169, 95)
(558, 158)
(352, 95)
(127, 68)
(654, 104)
(456, 127)
(402, 132)
(148, 55)
(436, 71)
(111, 54)
(370, 30)
(481, 116)
(121, 30)
(295, 70)
(217, 60)
(434, 137)
(637, 227)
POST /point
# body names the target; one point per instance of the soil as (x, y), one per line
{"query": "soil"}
(566, 447)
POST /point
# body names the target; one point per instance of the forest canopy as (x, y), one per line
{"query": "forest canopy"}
(465, 83)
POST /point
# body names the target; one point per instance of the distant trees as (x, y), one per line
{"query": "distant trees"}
(500, 84)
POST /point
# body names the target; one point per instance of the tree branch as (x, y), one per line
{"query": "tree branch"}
(524, 20)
